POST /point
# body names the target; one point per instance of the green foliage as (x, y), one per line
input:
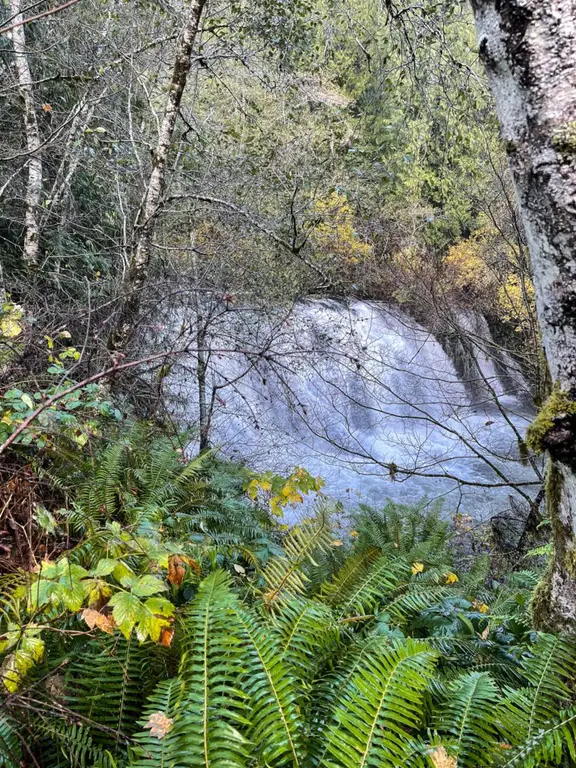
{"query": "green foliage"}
(73, 418)
(156, 640)
(381, 708)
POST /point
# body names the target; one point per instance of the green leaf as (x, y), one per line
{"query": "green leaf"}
(148, 585)
(126, 607)
(105, 567)
(28, 401)
(160, 605)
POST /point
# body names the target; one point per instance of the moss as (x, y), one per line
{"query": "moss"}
(541, 605)
(564, 138)
(559, 404)
(541, 602)
(524, 452)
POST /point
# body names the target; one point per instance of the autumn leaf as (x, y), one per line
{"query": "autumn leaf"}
(159, 724)
(96, 619)
(441, 758)
(166, 637)
(194, 564)
(451, 578)
(47, 107)
(417, 568)
(176, 570)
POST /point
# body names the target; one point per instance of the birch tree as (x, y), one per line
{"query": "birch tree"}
(529, 51)
(32, 135)
(152, 200)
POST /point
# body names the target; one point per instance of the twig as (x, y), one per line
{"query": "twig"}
(49, 12)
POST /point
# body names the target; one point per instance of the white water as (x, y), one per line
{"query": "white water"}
(354, 388)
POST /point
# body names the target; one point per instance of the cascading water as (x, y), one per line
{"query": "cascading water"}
(361, 395)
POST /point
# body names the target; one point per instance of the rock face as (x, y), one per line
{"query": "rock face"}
(529, 51)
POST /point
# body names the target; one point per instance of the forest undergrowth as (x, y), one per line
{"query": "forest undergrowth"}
(157, 611)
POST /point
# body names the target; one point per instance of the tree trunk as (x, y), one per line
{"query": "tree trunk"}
(34, 181)
(529, 50)
(152, 201)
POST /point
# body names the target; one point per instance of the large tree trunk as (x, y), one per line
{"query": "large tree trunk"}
(152, 201)
(34, 163)
(529, 50)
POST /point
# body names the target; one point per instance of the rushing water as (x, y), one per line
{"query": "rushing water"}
(361, 395)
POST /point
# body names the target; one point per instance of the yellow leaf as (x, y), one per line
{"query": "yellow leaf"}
(451, 578)
(252, 489)
(353, 534)
(10, 328)
(417, 568)
(337, 543)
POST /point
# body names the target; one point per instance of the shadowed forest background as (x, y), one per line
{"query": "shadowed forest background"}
(274, 400)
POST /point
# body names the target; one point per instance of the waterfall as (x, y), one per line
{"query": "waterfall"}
(359, 393)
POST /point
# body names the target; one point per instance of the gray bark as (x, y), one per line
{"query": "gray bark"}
(529, 51)
(34, 164)
(153, 197)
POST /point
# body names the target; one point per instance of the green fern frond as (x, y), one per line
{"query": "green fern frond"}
(160, 746)
(416, 597)
(549, 745)
(378, 719)
(418, 532)
(349, 575)
(467, 716)
(362, 596)
(308, 633)
(71, 744)
(332, 689)
(284, 574)
(276, 724)
(10, 743)
(548, 669)
(214, 707)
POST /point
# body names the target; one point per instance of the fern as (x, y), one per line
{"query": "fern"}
(358, 596)
(73, 745)
(107, 683)
(161, 751)
(550, 745)
(525, 712)
(382, 709)
(10, 743)
(284, 574)
(417, 532)
(466, 717)
(308, 633)
(413, 600)
(276, 725)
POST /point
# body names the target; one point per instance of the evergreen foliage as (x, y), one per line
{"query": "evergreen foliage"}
(390, 661)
